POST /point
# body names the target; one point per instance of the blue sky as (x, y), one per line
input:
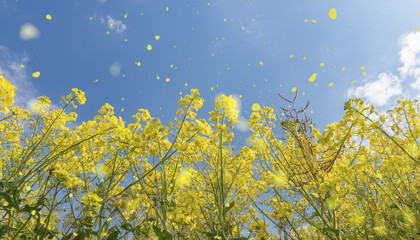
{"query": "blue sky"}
(212, 54)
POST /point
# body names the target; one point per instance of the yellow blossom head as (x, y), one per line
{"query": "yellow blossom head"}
(7, 92)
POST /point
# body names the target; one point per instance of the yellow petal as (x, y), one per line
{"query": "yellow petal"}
(330, 84)
(294, 89)
(314, 21)
(149, 47)
(321, 64)
(333, 13)
(313, 77)
(48, 17)
(261, 63)
(157, 37)
(256, 107)
(36, 74)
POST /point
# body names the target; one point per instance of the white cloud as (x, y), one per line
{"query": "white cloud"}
(10, 65)
(388, 85)
(114, 24)
(409, 57)
(379, 91)
(115, 69)
(28, 31)
(254, 28)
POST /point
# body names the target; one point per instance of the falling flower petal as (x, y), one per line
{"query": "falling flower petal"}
(333, 13)
(312, 78)
(36, 74)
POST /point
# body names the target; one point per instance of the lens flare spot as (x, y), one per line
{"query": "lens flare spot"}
(256, 107)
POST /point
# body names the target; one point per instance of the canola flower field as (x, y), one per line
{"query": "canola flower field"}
(356, 179)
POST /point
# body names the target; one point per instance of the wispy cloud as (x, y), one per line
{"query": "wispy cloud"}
(388, 85)
(114, 24)
(254, 28)
(10, 64)
(379, 91)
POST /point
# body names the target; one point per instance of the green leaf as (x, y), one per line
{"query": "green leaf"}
(4, 228)
(314, 214)
(67, 237)
(349, 238)
(24, 237)
(114, 234)
(330, 230)
(81, 235)
(8, 199)
(213, 235)
(126, 225)
(162, 234)
(240, 238)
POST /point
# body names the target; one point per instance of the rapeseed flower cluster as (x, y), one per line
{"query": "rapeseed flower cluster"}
(104, 178)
